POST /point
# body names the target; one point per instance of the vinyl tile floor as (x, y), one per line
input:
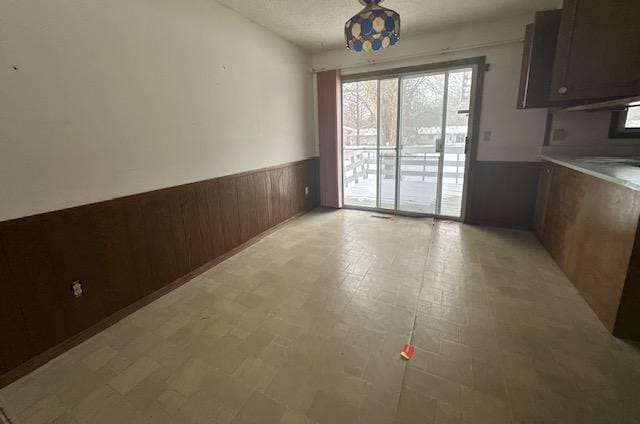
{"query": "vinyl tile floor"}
(306, 326)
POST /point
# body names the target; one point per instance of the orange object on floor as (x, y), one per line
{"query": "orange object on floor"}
(407, 351)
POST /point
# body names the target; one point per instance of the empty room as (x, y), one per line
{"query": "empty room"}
(320, 212)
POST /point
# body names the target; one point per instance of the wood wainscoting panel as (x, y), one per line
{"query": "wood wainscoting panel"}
(228, 204)
(126, 250)
(16, 343)
(502, 194)
(248, 207)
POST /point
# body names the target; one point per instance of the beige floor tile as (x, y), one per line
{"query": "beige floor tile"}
(201, 408)
(43, 412)
(105, 406)
(227, 390)
(415, 408)
(482, 408)
(292, 386)
(292, 417)
(99, 358)
(448, 414)
(259, 409)
(187, 379)
(435, 387)
(488, 378)
(66, 418)
(328, 408)
(171, 401)
(254, 373)
(133, 375)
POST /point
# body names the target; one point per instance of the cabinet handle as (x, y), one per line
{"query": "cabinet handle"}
(563, 90)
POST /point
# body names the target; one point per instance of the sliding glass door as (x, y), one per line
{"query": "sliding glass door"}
(420, 142)
(404, 142)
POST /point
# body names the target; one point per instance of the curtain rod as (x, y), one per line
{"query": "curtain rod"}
(445, 50)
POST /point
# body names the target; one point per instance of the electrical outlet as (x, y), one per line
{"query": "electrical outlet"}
(486, 136)
(76, 288)
(306, 191)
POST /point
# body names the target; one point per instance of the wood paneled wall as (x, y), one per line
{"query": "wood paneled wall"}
(502, 194)
(126, 249)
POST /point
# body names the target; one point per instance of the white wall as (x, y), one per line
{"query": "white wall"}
(118, 97)
(587, 133)
(516, 135)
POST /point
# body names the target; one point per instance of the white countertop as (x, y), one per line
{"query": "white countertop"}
(610, 168)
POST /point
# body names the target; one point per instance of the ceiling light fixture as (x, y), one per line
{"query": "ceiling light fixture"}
(374, 28)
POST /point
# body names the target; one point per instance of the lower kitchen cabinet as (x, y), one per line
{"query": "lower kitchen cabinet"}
(542, 199)
(589, 227)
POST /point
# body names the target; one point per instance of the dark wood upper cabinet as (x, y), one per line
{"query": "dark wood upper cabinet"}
(598, 50)
(537, 61)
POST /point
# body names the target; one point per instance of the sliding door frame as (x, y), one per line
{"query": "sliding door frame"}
(479, 68)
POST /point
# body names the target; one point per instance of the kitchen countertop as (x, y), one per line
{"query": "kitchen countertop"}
(611, 168)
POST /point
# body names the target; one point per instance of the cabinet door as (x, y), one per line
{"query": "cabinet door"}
(542, 199)
(524, 70)
(537, 60)
(598, 51)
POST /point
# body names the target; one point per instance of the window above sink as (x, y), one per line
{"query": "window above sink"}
(625, 124)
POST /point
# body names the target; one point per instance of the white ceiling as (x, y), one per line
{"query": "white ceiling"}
(317, 25)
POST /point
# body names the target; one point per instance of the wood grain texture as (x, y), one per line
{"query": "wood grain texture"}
(590, 231)
(628, 320)
(537, 61)
(503, 194)
(598, 50)
(542, 198)
(125, 249)
(527, 49)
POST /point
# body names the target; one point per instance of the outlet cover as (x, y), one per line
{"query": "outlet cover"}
(306, 191)
(76, 288)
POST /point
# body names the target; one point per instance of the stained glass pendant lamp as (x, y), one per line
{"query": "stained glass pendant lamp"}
(374, 28)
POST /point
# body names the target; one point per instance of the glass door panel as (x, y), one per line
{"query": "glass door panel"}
(456, 132)
(359, 143)
(387, 179)
(359, 170)
(421, 131)
(388, 124)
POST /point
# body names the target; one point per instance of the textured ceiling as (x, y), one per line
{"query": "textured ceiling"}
(317, 25)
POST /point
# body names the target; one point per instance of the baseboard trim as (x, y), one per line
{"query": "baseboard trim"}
(43, 358)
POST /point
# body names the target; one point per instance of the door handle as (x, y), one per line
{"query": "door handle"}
(467, 140)
(438, 145)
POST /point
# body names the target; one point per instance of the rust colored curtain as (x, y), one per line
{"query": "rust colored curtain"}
(330, 133)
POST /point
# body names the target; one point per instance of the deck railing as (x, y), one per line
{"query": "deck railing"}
(416, 162)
